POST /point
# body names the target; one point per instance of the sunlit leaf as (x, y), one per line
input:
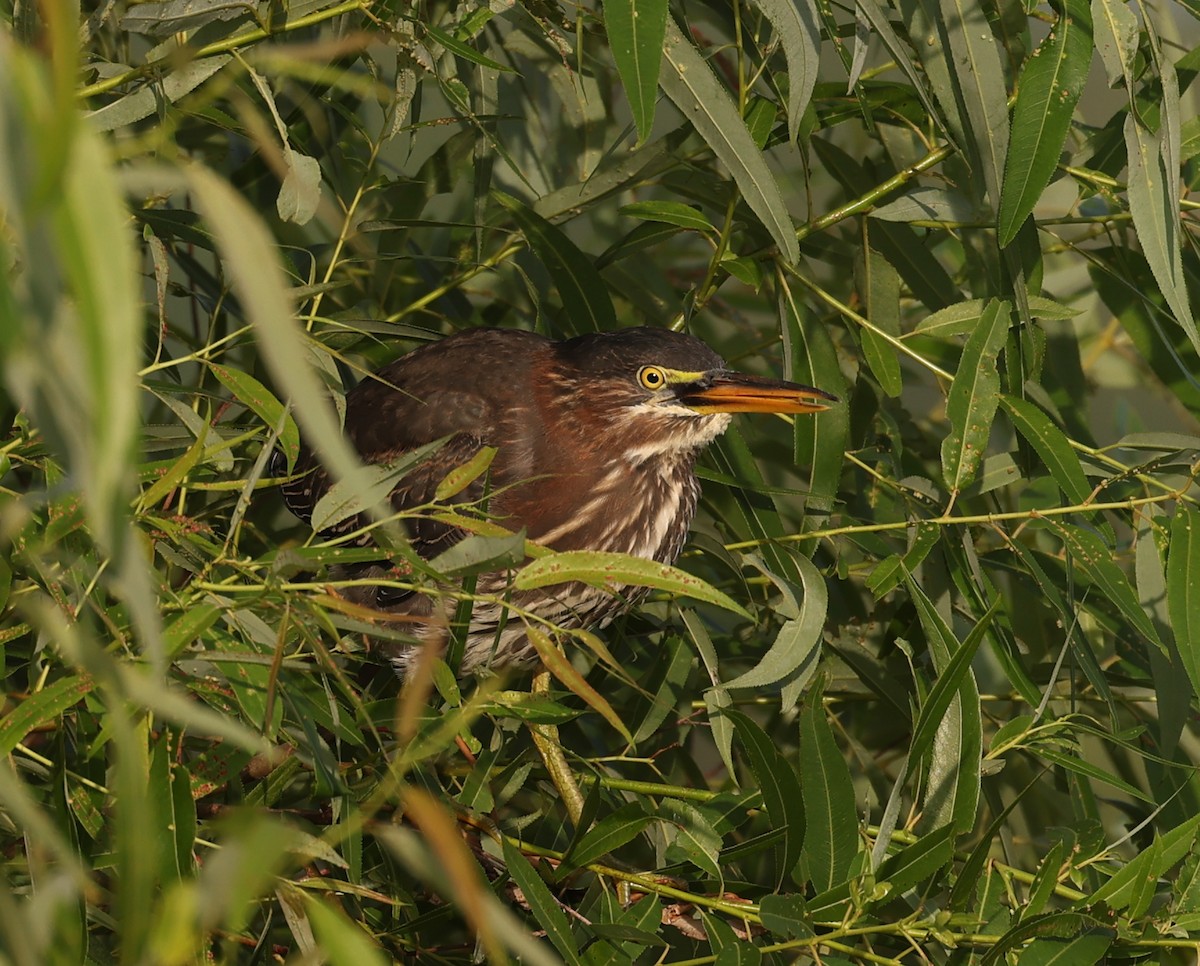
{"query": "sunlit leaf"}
(636, 29)
(1048, 89)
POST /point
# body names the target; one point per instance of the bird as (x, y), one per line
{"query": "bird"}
(596, 439)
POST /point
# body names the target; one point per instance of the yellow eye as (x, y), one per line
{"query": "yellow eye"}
(652, 377)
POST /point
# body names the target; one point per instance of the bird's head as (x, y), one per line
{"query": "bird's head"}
(665, 392)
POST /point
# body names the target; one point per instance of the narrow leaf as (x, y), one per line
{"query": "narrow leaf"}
(1116, 34)
(1047, 93)
(1051, 445)
(1118, 891)
(670, 212)
(1153, 205)
(260, 401)
(1183, 589)
(609, 834)
(40, 708)
(798, 639)
(615, 571)
(979, 85)
(830, 812)
(917, 862)
(973, 398)
(782, 794)
(799, 29)
(705, 102)
(585, 299)
(542, 904)
(636, 29)
(956, 749)
(1095, 560)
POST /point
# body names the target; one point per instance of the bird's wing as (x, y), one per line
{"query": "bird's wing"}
(426, 396)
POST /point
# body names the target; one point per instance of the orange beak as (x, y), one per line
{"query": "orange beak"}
(736, 392)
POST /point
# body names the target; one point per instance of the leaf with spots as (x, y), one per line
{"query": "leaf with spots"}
(1183, 589)
(1095, 561)
(259, 400)
(1047, 92)
(974, 396)
(615, 571)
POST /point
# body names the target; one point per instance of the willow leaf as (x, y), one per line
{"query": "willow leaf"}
(696, 91)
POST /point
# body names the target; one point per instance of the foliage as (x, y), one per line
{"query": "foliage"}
(946, 712)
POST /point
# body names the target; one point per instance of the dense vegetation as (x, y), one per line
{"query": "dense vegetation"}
(946, 712)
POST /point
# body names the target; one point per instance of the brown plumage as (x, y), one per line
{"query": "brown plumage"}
(596, 436)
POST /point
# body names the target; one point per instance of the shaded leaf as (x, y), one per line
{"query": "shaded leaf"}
(585, 299)
(1183, 589)
(781, 790)
(705, 102)
(1051, 445)
(974, 396)
(830, 810)
(542, 904)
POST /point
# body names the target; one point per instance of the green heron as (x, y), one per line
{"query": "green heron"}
(596, 440)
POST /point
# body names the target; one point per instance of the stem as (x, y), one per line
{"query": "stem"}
(221, 47)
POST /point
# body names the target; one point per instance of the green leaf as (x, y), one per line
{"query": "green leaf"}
(696, 840)
(557, 664)
(974, 396)
(705, 102)
(609, 834)
(636, 29)
(459, 478)
(956, 745)
(1153, 205)
(587, 306)
(1116, 35)
(1047, 92)
(342, 942)
(1051, 445)
(188, 626)
(799, 30)
(365, 487)
(542, 903)
(830, 809)
(782, 794)
(1084, 950)
(1080, 766)
(1095, 560)
(40, 708)
(1183, 589)
(670, 212)
(881, 296)
(260, 401)
(1059, 925)
(1118, 891)
(928, 204)
(456, 46)
(915, 863)
(979, 86)
(614, 571)
(820, 441)
(785, 916)
(476, 554)
(962, 318)
(798, 639)
(146, 99)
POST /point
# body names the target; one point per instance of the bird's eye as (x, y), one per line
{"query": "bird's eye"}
(652, 377)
